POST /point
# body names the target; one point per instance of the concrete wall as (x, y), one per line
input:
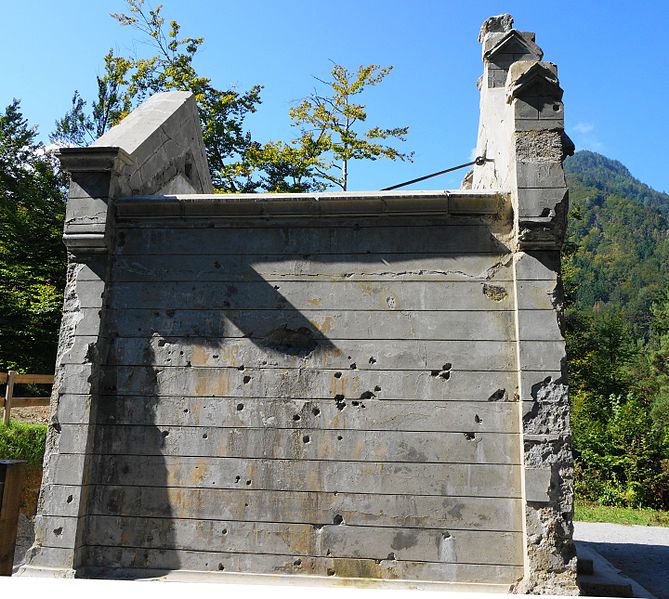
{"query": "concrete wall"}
(354, 385)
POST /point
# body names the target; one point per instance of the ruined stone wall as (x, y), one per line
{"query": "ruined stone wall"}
(355, 385)
(324, 395)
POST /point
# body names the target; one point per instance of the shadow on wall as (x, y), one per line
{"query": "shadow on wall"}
(184, 324)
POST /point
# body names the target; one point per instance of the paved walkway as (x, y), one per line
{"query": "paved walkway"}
(641, 552)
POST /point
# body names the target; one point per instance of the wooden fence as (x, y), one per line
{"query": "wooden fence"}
(10, 401)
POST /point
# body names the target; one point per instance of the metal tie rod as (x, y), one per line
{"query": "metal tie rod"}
(478, 161)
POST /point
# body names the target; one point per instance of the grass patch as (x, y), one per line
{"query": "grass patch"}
(593, 512)
(22, 441)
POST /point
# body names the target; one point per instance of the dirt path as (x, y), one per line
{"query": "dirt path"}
(641, 552)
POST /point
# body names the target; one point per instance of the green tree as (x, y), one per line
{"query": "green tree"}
(32, 256)
(331, 133)
(128, 81)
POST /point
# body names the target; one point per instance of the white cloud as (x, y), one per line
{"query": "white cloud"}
(585, 137)
(583, 128)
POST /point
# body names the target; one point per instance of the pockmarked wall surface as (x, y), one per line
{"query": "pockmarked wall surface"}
(354, 385)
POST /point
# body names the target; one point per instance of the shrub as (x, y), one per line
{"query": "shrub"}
(21, 441)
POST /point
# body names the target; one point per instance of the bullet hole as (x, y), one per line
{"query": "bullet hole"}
(247, 379)
(339, 437)
(181, 353)
(348, 357)
(238, 478)
(217, 264)
(353, 366)
(470, 436)
(240, 407)
(391, 556)
(499, 395)
(315, 411)
(188, 364)
(444, 373)
(214, 356)
(161, 342)
(477, 419)
(306, 439)
(221, 567)
(377, 561)
(205, 436)
(556, 107)
(367, 395)
(338, 519)
(339, 402)
(335, 494)
(297, 562)
(240, 367)
(330, 572)
(248, 483)
(58, 531)
(391, 302)
(296, 418)
(494, 292)
(337, 375)
(69, 499)
(224, 531)
(328, 553)
(185, 410)
(246, 505)
(166, 433)
(445, 535)
(372, 360)
(317, 526)
(277, 287)
(377, 388)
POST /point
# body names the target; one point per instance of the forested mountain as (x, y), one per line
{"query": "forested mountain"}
(615, 271)
(618, 241)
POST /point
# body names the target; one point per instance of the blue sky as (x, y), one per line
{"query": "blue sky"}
(611, 58)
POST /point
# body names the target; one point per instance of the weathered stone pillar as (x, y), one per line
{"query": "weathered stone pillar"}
(522, 135)
(157, 149)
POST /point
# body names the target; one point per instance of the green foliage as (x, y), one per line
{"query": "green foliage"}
(621, 459)
(20, 441)
(617, 321)
(128, 81)
(330, 136)
(32, 256)
(585, 511)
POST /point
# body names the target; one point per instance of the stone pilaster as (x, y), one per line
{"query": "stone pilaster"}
(156, 149)
(522, 134)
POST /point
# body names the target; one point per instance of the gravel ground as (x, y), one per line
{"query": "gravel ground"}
(641, 552)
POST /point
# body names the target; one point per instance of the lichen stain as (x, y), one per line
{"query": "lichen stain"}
(347, 568)
(314, 301)
(324, 326)
(199, 356)
(367, 289)
(208, 383)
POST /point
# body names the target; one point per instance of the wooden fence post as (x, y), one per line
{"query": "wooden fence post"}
(11, 485)
(9, 392)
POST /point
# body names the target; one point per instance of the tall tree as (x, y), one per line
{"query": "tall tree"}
(331, 132)
(127, 81)
(32, 256)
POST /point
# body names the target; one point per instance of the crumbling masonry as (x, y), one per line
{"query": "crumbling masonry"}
(343, 385)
